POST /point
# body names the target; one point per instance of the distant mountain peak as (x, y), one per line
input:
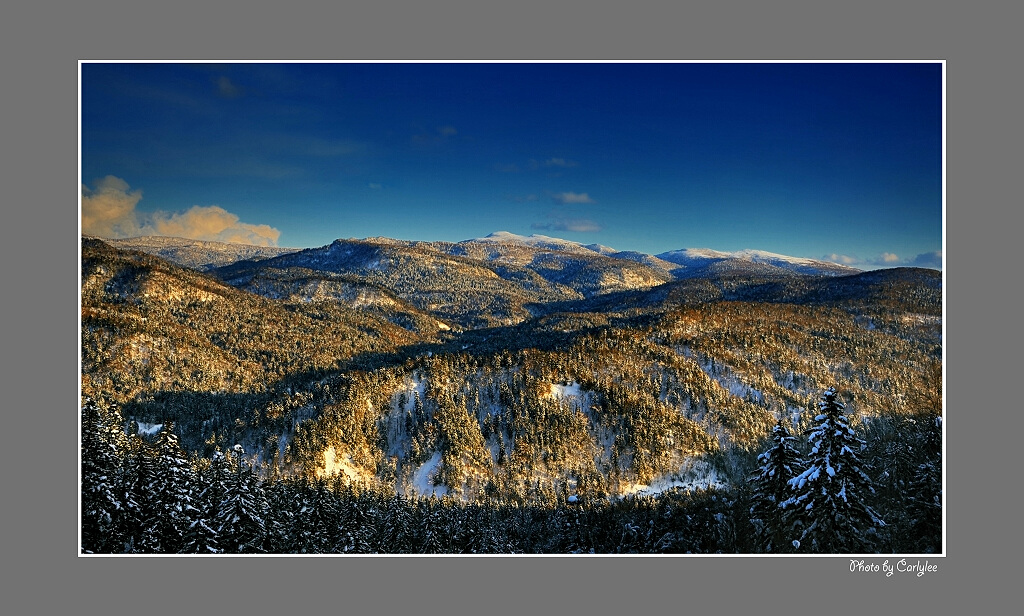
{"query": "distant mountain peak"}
(505, 236)
(695, 261)
(697, 253)
(705, 257)
(770, 257)
(535, 241)
(502, 236)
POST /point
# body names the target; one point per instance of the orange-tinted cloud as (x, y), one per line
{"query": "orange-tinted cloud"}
(213, 223)
(108, 210)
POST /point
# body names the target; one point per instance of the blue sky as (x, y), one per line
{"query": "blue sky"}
(820, 160)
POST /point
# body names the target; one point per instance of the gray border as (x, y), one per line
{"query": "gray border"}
(42, 45)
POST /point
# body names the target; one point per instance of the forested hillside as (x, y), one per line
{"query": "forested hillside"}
(495, 396)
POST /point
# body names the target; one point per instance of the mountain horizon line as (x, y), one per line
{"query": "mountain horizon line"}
(681, 256)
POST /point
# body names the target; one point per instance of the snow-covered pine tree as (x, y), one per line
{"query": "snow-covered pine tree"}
(925, 506)
(487, 536)
(396, 533)
(102, 509)
(831, 494)
(171, 487)
(430, 521)
(282, 509)
(140, 474)
(359, 521)
(773, 525)
(212, 478)
(241, 519)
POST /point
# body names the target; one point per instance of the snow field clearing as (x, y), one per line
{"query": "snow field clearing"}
(423, 478)
(148, 429)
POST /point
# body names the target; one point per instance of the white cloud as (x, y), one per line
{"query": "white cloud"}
(108, 210)
(888, 259)
(447, 131)
(572, 197)
(841, 259)
(560, 162)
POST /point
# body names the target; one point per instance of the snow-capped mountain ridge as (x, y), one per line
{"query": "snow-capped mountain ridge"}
(535, 240)
(685, 256)
(697, 258)
(501, 246)
(671, 260)
(757, 256)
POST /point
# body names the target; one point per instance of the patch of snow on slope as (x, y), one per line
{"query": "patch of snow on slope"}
(565, 391)
(423, 478)
(416, 385)
(148, 429)
(572, 395)
(411, 386)
(696, 476)
(730, 382)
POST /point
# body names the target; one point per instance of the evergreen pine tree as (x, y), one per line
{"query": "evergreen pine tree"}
(201, 537)
(430, 521)
(770, 488)
(241, 517)
(171, 484)
(396, 533)
(101, 507)
(925, 507)
(281, 516)
(316, 526)
(360, 521)
(830, 495)
(141, 474)
(327, 516)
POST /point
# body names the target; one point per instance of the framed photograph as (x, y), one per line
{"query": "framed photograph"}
(587, 308)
